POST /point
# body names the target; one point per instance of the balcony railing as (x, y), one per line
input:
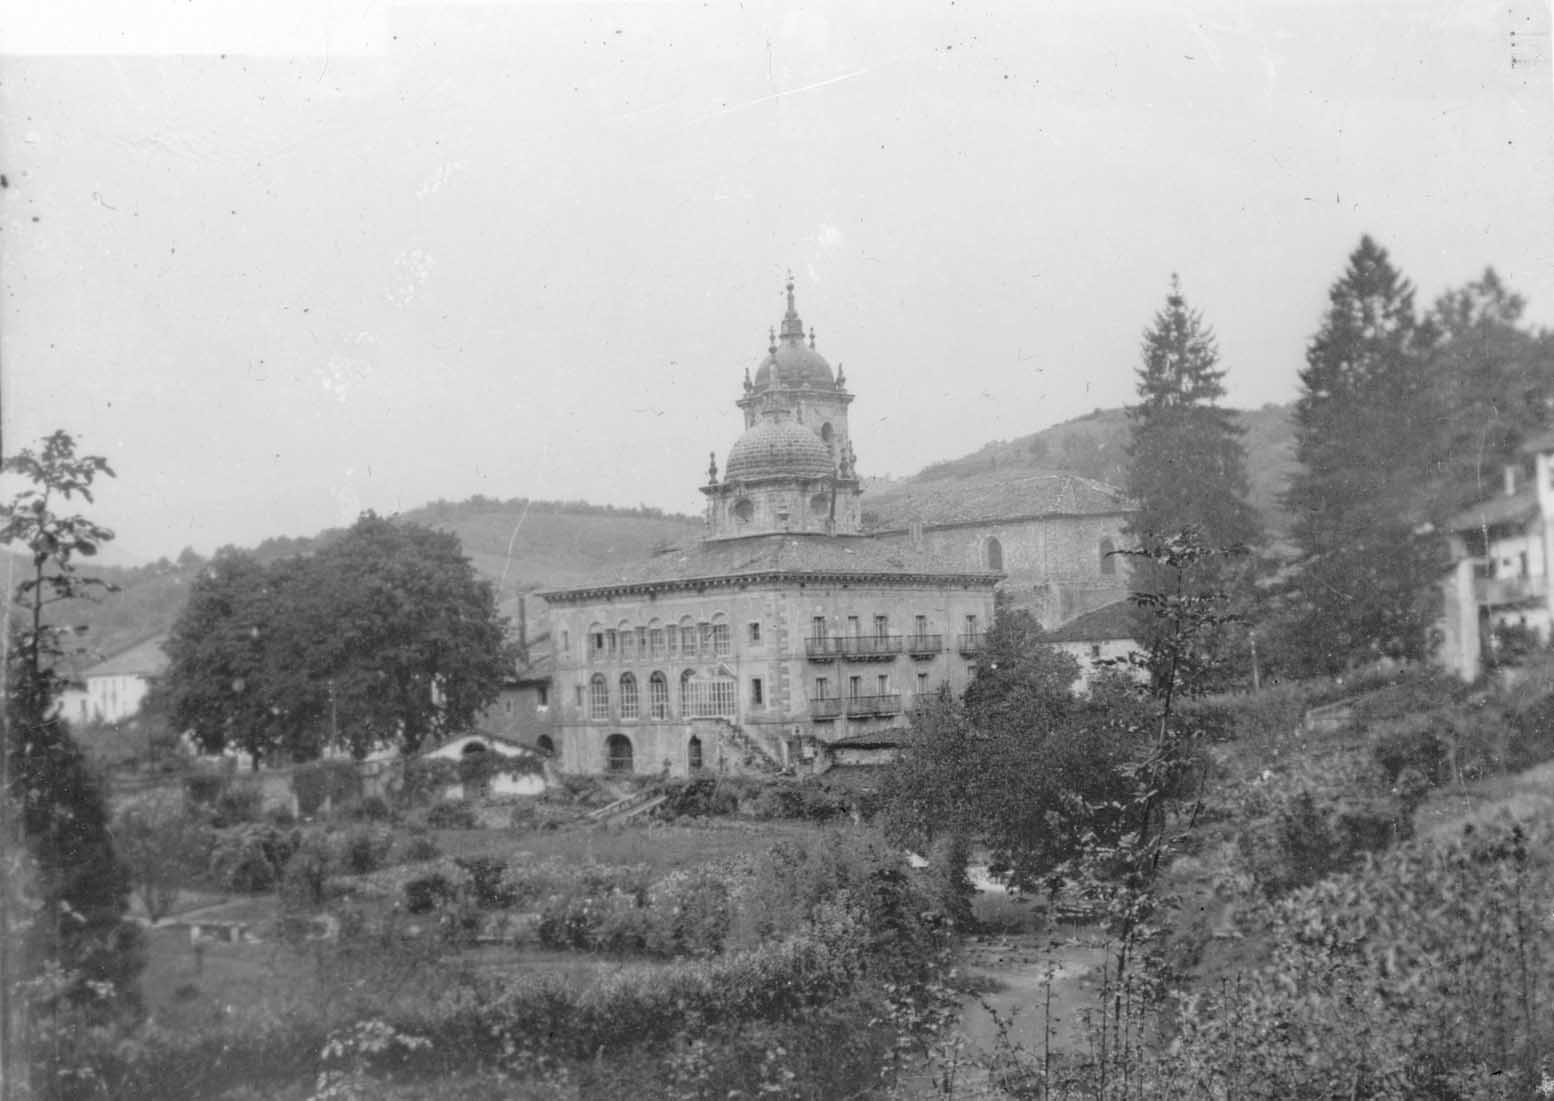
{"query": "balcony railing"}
(972, 643)
(853, 648)
(825, 709)
(862, 706)
(918, 645)
(1510, 590)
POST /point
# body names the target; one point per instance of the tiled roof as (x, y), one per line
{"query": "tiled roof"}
(1504, 509)
(1536, 445)
(1111, 621)
(146, 659)
(995, 495)
(760, 556)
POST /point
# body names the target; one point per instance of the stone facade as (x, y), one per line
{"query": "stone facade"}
(790, 638)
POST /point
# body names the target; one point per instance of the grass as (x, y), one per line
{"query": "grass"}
(663, 848)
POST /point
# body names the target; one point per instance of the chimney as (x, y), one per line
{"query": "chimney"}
(523, 630)
(1510, 480)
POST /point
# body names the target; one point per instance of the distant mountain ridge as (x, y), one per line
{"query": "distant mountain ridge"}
(524, 545)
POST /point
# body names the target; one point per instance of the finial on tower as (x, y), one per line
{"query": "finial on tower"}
(712, 468)
(841, 376)
(792, 327)
(748, 386)
(771, 336)
(812, 338)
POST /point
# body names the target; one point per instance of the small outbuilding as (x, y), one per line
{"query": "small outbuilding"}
(1099, 640)
(490, 764)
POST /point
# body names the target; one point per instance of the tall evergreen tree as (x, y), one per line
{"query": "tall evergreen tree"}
(1365, 444)
(1188, 464)
(1187, 470)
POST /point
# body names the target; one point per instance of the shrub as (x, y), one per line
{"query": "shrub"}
(452, 815)
(371, 808)
(488, 883)
(238, 804)
(302, 881)
(204, 788)
(365, 851)
(427, 892)
(699, 797)
(250, 861)
(420, 847)
(335, 781)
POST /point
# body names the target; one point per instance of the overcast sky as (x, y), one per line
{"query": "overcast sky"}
(285, 262)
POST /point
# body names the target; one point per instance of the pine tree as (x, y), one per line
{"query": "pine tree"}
(1365, 443)
(1187, 468)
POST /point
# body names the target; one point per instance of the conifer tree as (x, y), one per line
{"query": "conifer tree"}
(1187, 468)
(1365, 443)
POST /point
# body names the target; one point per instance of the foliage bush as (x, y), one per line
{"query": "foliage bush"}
(316, 782)
(1424, 973)
(304, 877)
(419, 847)
(370, 808)
(425, 893)
(452, 815)
(204, 788)
(236, 805)
(249, 860)
(363, 851)
(488, 882)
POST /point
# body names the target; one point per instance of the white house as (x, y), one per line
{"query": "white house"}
(115, 689)
(1501, 553)
(1099, 640)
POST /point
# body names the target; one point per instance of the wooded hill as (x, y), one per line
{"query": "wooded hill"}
(525, 545)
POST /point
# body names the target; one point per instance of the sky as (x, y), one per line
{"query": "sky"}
(281, 263)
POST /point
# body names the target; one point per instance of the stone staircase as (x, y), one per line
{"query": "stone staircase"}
(751, 752)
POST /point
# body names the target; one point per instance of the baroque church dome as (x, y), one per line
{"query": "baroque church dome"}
(777, 449)
(791, 362)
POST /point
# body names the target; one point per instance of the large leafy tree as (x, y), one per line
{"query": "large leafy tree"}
(385, 636)
(81, 885)
(1365, 444)
(1187, 472)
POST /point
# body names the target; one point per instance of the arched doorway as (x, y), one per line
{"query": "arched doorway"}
(617, 754)
(546, 743)
(693, 754)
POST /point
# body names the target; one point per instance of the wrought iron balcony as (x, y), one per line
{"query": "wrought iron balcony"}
(1495, 591)
(826, 709)
(924, 645)
(864, 706)
(853, 648)
(972, 643)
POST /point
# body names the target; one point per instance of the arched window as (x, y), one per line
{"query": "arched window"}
(693, 754)
(720, 635)
(995, 554)
(688, 639)
(598, 697)
(628, 696)
(713, 697)
(617, 753)
(546, 744)
(628, 643)
(1108, 558)
(826, 433)
(658, 697)
(685, 693)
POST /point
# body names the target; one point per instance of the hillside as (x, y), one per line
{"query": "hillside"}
(1095, 446)
(552, 544)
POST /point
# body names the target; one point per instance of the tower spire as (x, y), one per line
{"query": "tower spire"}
(792, 327)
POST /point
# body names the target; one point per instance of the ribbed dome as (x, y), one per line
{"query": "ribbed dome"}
(777, 449)
(797, 365)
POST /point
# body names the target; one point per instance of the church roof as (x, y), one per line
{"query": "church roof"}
(777, 449)
(782, 557)
(992, 497)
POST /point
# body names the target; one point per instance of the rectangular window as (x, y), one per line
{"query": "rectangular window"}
(566, 642)
(628, 697)
(599, 699)
(757, 692)
(656, 641)
(971, 625)
(920, 625)
(687, 642)
(882, 685)
(544, 694)
(611, 644)
(755, 634)
(596, 645)
(881, 626)
(922, 684)
(580, 695)
(854, 688)
(822, 689)
(720, 640)
(672, 637)
(817, 627)
(628, 644)
(854, 630)
(642, 644)
(706, 638)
